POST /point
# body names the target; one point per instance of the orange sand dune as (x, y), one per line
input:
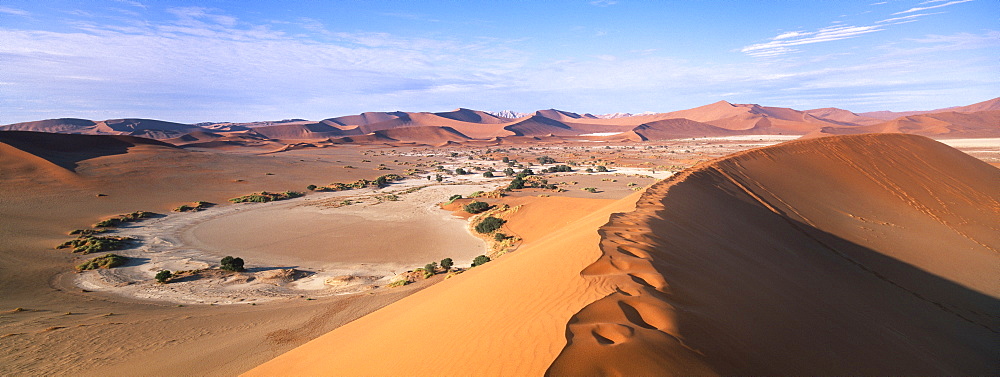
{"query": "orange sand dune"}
(364, 118)
(504, 318)
(678, 128)
(312, 131)
(841, 116)
(862, 255)
(423, 134)
(471, 116)
(63, 125)
(65, 150)
(940, 125)
(849, 255)
(988, 105)
(539, 126)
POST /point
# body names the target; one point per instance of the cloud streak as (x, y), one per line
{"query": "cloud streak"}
(918, 9)
(781, 44)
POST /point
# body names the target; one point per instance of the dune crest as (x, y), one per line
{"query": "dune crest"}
(793, 260)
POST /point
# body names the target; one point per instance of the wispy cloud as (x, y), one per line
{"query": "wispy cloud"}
(132, 3)
(781, 44)
(906, 18)
(917, 9)
(14, 11)
(603, 3)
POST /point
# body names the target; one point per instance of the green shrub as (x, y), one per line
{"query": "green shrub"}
(121, 219)
(93, 244)
(589, 170)
(499, 237)
(104, 261)
(590, 189)
(546, 160)
(446, 264)
(516, 184)
(460, 171)
(602, 169)
(508, 172)
(489, 225)
(480, 260)
(311, 187)
(163, 276)
(264, 197)
(231, 264)
(399, 283)
(429, 269)
(476, 207)
(488, 175)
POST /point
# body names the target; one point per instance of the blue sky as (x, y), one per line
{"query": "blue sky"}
(190, 61)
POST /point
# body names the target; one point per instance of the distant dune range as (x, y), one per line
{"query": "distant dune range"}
(846, 255)
(465, 126)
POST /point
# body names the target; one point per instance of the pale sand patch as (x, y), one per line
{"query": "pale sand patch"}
(972, 143)
(340, 250)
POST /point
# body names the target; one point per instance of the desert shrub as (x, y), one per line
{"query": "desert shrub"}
(489, 225)
(94, 244)
(488, 174)
(264, 197)
(589, 170)
(602, 169)
(439, 178)
(517, 183)
(546, 160)
(104, 261)
(231, 264)
(454, 197)
(508, 172)
(429, 269)
(311, 187)
(446, 263)
(121, 219)
(590, 189)
(163, 276)
(505, 160)
(480, 260)
(460, 171)
(87, 232)
(499, 237)
(399, 283)
(476, 207)
(559, 169)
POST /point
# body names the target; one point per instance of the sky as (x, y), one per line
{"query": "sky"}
(240, 61)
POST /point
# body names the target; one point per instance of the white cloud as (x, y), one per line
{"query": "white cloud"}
(603, 3)
(14, 11)
(789, 34)
(780, 44)
(909, 18)
(917, 9)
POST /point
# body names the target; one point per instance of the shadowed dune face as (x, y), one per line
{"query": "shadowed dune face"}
(870, 254)
(66, 150)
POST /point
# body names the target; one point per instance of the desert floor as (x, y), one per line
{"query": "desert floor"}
(54, 321)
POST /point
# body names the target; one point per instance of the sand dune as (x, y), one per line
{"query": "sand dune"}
(983, 124)
(65, 150)
(423, 134)
(63, 125)
(988, 105)
(678, 128)
(472, 116)
(868, 254)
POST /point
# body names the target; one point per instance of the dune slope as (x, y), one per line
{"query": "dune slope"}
(860, 255)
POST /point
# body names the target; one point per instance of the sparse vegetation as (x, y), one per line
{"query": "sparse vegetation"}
(602, 169)
(399, 283)
(104, 261)
(86, 232)
(447, 263)
(558, 169)
(476, 207)
(489, 225)
(488, 174)
(194, 207)
(231, 264)
(311, 187)
(121, 219)
(95, 244)
(429, 269)
(546, 160)
(480, 260)
(264, 197)
(590, 189)
(163, 276)
(499, 237)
